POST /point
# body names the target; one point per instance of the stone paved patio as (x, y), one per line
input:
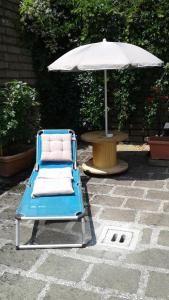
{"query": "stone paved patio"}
(138, 199)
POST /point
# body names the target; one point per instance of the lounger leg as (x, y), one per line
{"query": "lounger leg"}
(48, 246)
(17, 234)
(83, 231)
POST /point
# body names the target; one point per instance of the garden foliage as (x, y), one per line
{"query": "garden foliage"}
(19, 118)
(52, 27)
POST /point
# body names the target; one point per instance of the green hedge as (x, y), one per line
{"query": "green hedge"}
(52, 27)
(19, 118)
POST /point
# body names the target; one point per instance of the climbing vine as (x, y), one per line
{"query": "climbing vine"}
(52, 27)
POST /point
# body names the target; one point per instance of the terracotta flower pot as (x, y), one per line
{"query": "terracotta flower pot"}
(13, 164)
(159, 147)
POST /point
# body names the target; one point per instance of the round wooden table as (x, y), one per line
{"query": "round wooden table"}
(104, 159)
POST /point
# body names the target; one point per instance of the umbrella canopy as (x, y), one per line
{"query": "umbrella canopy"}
(105, 56)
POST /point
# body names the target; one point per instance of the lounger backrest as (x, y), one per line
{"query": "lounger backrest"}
(56, 146)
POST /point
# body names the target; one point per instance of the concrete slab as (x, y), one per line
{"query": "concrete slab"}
(117, 278)
(18, 259)
(18, 287)
(63, 267)
(158, 286)
(69, 293)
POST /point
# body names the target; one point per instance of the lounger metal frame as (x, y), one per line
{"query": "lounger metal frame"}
(79, 216)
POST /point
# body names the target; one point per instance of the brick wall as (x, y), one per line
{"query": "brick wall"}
(15, 59)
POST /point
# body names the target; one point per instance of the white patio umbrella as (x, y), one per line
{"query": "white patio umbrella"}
(105, 56)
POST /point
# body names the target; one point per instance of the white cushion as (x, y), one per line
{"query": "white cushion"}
(56, 147)
(52, 187)
(55, 173)
(53, 181)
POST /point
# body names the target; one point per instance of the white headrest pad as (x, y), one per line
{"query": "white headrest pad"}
(56, 147)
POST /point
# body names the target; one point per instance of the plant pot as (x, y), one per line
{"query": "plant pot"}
(13, 164)
(159, 147)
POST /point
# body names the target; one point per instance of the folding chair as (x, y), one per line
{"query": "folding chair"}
(43, 198)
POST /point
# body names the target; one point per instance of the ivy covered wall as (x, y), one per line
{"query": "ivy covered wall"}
(52, 27)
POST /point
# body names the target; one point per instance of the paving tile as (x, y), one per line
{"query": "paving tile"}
(126, 191)
(8, 214)
(94, 210)
(82, 157)
(98, 189)
(18, 258)
(9, 199)
(63, 267)
(146, 236)
(55, 224)
(77, 227)
(89, 252)
(91, 227)
(69, 293)
(158, 285)
(121, 215)
(16, 287)
(167, 185)
(118, 181)
(105, 276)
(7, 231)
(107, 200)
(159, 195)
(151, 257)
(157, 219)
(116, 298)
(166, 207)
(98, 180)
(149, 183)
(110, 255)
(54, 237)
(163, 238)
(142, 204)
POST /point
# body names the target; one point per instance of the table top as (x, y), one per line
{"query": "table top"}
(99, 137)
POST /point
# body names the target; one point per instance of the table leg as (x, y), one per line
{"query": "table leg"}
(104, 155)
(105, 160)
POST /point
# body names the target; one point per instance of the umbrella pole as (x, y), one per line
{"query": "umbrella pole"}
(105, 100)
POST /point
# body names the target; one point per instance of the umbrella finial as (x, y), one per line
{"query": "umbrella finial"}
(104, 40)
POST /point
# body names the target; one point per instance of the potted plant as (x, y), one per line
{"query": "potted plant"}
(159, 145)
(19, 121)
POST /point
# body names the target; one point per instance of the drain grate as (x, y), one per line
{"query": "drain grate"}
(119, 238)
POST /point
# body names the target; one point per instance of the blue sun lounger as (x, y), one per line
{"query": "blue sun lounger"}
(54, 188)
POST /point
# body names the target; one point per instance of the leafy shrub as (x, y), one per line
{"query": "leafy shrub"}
(54, 27)
(19, 117)
(92, 106)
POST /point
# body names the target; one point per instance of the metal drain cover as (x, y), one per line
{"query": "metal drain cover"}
(119, 238)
